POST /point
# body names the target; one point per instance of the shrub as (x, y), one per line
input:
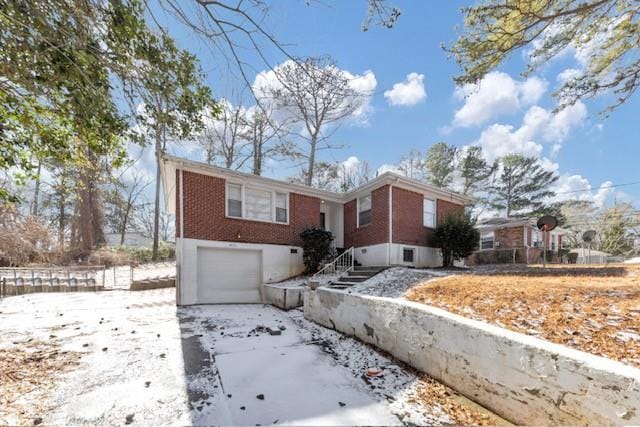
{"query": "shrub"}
(456, 237)
(316, 247)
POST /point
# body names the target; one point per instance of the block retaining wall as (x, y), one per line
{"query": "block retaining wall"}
(521, 378)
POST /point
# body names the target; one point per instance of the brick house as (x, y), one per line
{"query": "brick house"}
(239, 230)
(515, 240)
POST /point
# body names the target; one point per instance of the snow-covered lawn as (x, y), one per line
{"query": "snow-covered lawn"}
(124, 357)
(119, 277)
(394, 282)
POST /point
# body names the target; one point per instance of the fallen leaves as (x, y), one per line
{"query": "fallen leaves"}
(30, 369)
(585, 308)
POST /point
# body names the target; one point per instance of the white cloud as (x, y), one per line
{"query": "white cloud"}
(577, 187)
(569, 74)
(496, 94)
(539, 126)
(364, 84)
(408, 92)
(387, 168)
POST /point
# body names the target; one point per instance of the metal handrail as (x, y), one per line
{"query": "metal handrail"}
(342, 264)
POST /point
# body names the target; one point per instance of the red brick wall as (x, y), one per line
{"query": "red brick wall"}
(445, 208)
(205, 219)
(512, 237)
(374, 233)
(408, 227)
(408, 221)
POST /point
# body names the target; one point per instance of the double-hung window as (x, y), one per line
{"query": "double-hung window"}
(487, 239)
(245, 201)
(536, 239)
(282, 207)
(429, 213)
(364, 210)
(257, 204)
(234, 200)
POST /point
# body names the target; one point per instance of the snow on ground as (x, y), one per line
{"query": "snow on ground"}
(394, 282)
(295, 282)
(137, 359)
(119, 277)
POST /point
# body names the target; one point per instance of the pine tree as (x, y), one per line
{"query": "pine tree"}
(440, 164)
(522, 186)
(475, 170)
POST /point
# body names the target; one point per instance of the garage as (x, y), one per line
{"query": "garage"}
(229, 275)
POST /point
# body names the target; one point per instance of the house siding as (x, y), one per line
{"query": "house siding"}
(374, 233)
(205, 217)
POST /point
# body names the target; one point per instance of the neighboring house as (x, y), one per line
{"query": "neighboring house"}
(239, 230)
(515, 240)
(590, 256)
(131, 238)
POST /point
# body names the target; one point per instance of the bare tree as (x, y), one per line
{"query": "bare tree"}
(145, 217)
(122, 201)
(224, 138)
(317, 95)
(353, 176)
(413, 165)
(265, 133)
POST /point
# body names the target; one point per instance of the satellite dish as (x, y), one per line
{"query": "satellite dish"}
(547, 223)
(588, 236)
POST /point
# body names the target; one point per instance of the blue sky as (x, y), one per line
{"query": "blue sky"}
(588, 150)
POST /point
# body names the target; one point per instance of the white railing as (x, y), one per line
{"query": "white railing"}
(339, 266)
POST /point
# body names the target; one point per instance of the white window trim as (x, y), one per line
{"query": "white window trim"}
(493, 246)
(435, 209)
(358, 209)
(244, 204)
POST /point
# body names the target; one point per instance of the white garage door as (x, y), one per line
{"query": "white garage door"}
(229, 275)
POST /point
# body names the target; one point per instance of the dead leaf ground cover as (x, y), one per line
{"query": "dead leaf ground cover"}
(585, 309)
(28, 373)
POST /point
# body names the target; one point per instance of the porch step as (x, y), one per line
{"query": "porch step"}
(356, 277)
(369, 268)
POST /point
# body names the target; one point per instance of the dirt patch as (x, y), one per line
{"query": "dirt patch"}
(28, 374)
(596, 313)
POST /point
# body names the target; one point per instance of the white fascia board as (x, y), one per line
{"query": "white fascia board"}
(168, 175)
(261, 181)
(386, 178)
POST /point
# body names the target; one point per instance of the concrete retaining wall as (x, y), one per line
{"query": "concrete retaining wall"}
(284, 297)
(523, 379)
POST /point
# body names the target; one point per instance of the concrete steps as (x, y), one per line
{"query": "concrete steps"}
(357, 275)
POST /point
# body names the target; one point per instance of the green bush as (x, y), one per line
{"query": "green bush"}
(316, 247)
(456, 237)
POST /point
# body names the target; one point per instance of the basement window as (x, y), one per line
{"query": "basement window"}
(407, 255)
(364, 210)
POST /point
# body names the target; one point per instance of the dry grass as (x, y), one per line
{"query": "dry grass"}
(30, 370)
(596, 310)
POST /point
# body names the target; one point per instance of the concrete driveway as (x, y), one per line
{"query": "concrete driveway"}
(121, 357)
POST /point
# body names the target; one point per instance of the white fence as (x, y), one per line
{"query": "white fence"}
(16, 281)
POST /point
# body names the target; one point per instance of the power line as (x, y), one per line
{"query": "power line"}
(599, 188)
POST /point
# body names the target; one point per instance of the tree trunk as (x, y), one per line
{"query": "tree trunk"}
(36, 191)
(156, 212)
(257, 157)
(61, 221)
(312, 160)
(125, 220)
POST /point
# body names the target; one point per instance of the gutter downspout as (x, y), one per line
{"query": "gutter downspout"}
(390, 225)
(181, 195)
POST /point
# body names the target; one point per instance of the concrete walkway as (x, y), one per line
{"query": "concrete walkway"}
(142, 361)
